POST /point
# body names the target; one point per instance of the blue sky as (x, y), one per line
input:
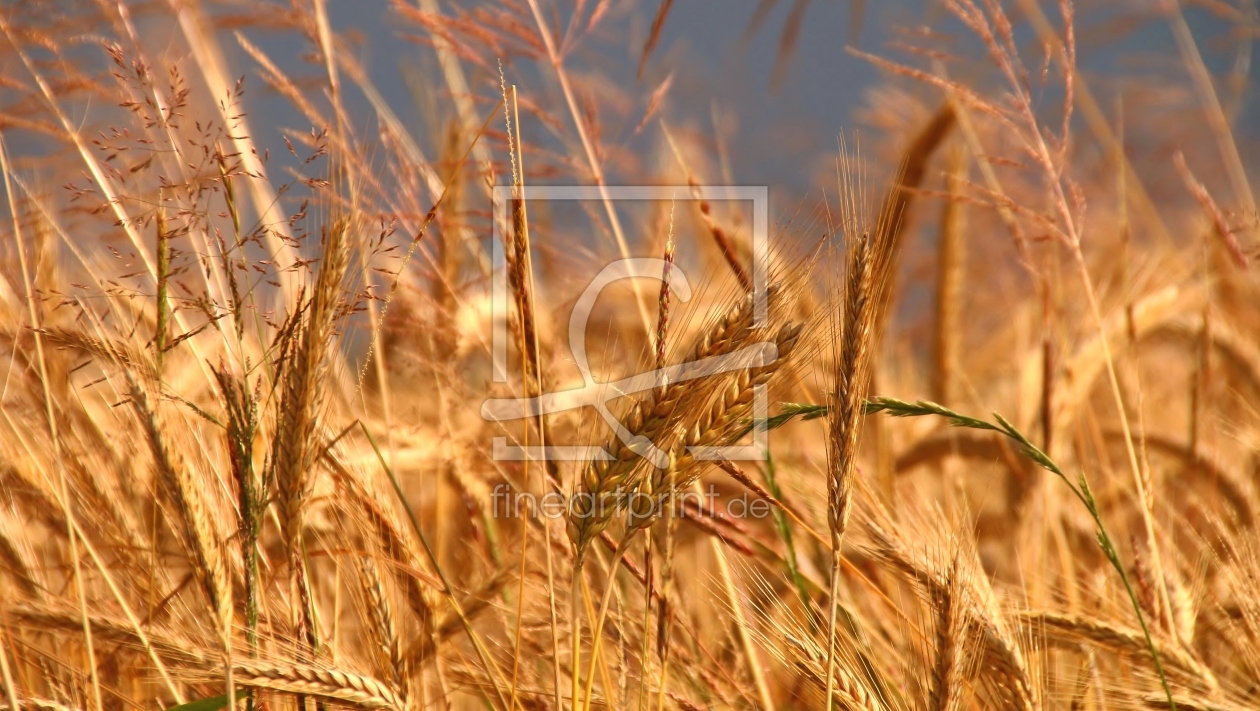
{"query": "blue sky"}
(781, 132)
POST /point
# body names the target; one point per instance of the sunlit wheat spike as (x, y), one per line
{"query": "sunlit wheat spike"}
(601, 481)
(184, 490)
(304, 381)
(61, 619)
(1067, 630)
(382, 626)
(717, 424)
(951, 643)
(848, 690)
(331, 684)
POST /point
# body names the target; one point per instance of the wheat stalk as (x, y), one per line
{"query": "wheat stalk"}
(950, 276)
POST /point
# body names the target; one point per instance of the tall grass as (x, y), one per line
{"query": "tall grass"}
(243, 462)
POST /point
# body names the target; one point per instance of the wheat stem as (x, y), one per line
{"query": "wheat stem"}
(575, 616)
(598, 629)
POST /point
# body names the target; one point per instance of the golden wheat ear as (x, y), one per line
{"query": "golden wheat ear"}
(183, 489)
(305, 376)
(855, 311)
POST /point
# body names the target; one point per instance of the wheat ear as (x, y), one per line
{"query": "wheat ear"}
(845, 690)
(181, 488)
(294, 444)
(1002, 654)
(868, 261)
(602, 480)
(382, 524)
(332, 684)
(242, 426)
(950, 637)
(716, 425)
(56, 618)
(384, 632)
(1070, 630)
(13, 561)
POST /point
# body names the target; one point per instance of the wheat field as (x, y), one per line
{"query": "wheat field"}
(969, 422)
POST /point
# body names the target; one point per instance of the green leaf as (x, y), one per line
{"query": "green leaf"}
(788, 412)
(213, 703)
